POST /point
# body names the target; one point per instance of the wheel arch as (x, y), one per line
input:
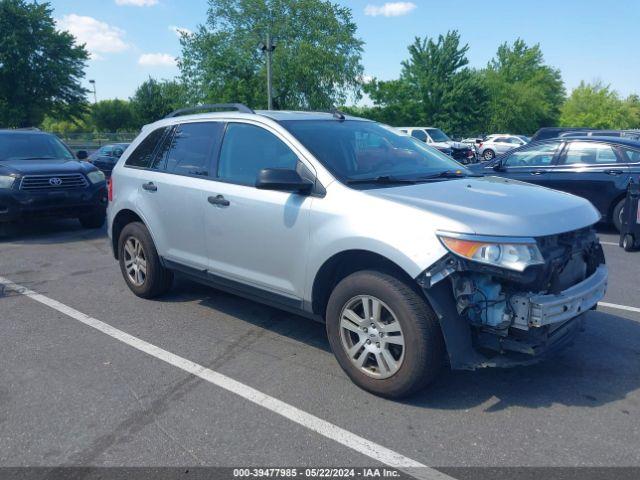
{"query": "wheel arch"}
(121, 220)
(613, 205)
(343, 264)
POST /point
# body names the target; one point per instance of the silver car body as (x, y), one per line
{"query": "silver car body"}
(499, 144)
(277, 242)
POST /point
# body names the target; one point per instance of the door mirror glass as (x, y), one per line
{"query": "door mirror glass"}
(283, 179)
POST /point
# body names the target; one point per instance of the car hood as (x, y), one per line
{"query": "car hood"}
(37, 167)
(456, 145)
(496, 206)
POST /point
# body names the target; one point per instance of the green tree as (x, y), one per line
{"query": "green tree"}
(524, 93)
(316, 63)
(40, 67)
(436, 87)
(112, 116)
(155, 99)
(595, 105)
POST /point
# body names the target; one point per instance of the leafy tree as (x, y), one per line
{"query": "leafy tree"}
(112, 116)
(524, 93)
(316, 63)
(435, 88)
(597, 106)
(64, 127)
(40, 67)
(155, 99)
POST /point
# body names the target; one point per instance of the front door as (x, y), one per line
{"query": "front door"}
(257, 237)
(530, 164)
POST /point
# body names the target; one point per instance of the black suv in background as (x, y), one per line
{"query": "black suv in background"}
(106, 157)
(596, 168)
(40, 177)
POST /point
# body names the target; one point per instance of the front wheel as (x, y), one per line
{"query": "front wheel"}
(618, 215)
(383, 334)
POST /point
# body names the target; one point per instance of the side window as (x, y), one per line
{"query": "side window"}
(192, 148)
(419, 134)
(534, 156)
(143, 154)
(247, 149)
(589, 153)
(630, 156)
(500, 140)
(106, 150)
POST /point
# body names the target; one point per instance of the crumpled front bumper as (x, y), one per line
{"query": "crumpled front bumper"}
(540, 310)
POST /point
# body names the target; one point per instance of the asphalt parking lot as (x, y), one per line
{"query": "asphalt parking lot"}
(71, 394)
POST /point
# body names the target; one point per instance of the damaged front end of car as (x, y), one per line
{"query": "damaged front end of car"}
(509, 301)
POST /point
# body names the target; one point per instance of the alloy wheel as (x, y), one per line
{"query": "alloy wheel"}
(135, 261)
(372, 337)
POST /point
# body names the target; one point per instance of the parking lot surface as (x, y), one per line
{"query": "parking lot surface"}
(72, 395)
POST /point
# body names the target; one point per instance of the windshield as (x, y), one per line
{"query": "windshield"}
(32, 146)
(438, 135)
(359, 150)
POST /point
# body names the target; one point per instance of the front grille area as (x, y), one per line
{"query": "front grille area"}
(63, 181)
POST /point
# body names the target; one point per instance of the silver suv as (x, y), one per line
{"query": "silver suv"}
(410, 259)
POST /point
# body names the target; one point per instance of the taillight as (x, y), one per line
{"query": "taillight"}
(110, 189)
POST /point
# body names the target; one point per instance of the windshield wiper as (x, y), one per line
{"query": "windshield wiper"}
(450, 174)
(384, 179)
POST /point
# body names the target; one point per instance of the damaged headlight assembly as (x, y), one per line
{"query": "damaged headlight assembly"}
(512, 253)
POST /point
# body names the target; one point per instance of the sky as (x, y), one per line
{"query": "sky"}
(589, 40)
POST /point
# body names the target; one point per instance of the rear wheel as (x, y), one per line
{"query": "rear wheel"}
(489, 154)
(618, 215)
(383, 334)
(140, 263)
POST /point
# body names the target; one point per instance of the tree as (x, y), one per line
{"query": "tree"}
(112, 116)
(155, 99)
(524, 93)
(316, 63)
(435, 88)
(40, 67)
(597, 106)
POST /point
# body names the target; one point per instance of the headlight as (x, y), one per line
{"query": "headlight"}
(96, 176)
(511, 253)
(6, 181)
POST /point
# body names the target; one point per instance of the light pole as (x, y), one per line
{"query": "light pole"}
(95, 97)
(267, 48)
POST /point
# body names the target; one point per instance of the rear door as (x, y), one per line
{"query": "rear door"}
(592, 170)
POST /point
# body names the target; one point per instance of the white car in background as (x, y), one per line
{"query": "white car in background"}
(494, 145)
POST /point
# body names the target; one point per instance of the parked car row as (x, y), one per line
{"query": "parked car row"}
(436, 138)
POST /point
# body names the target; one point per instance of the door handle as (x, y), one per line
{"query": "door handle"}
(218, 200)
(150, 187)
(538, 172)
(613, 172)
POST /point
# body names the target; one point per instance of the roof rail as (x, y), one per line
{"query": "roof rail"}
(212, 106)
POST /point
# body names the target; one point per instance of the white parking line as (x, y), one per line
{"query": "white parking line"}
(610, 243)
(619, 307)
(344, 437)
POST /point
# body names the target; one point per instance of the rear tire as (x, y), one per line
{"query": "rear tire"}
(629, 243)
(366, 344)
(95, 220)
(616, 216)
(489, 154)
(140, 263)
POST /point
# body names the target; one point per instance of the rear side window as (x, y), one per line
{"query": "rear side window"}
(247, 149)
(192, 148)
(630, 156)
(589, 153)
(143, 154)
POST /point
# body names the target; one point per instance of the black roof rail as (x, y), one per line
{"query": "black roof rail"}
(212, 106)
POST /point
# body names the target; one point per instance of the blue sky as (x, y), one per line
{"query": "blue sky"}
(587, 39)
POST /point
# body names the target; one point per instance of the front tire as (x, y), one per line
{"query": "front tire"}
(384, 334)
(140, 263)
(489, 154)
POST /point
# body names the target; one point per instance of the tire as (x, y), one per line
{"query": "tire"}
(148, 280)
(629, 243)
(488, 154)
(417, 362)
(95, 220)
(616, 216)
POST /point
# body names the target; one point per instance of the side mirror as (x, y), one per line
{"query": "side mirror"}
(498, 167)
(284, 180)
(82, 155)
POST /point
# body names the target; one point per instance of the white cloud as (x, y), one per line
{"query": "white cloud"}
(99, 37)
(180, 30)
(157, 60)
(390, 9)
(137, 3)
